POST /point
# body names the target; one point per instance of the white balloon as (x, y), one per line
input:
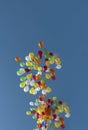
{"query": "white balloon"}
(31, 103)
(38, 89)
(27, 82)
(26, 88)
(44, 92)
(36, 104)
(35, 92)
(39, 72)
(27, 58)
(32, 83)
(67, 115)
(58, 67)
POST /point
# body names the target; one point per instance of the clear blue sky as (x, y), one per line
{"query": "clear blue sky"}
(63, 26)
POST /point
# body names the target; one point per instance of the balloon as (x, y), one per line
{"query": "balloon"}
(22, 84)
(34, 73)
(17, 59)
(23, 78)
(29, 76)
(47, 113)
(58, 67)
(31, 55)
(26, 88)
(41, 44)
(48, 76)
(67, 115)
(48, 89)
(36, 70)
(57, 124)
(22, 64)
(31, 103)
(20, 72)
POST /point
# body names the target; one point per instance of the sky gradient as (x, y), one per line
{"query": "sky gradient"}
(63, 26)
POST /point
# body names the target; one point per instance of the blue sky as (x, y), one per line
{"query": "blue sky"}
(63, 26)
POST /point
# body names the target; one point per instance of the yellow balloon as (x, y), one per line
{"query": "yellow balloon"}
(54, 98)
(57, 124)
(57, 60)
(28, 63)
(47, 63)
(31, 91)
(39, 68)
(38, 121)
(28, 113)
(36, 85)
(39, 111)
(51, 60)
(35, 67)
(48, 89)
(66, 109)
(31, 55)
(48, 76)
(22, 84)
(29, 76)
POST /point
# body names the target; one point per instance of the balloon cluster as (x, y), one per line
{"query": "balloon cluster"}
(37, 69)
(34, 72)
(47, 112)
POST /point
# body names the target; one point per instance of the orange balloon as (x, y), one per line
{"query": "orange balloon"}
(61, 120)
(36, 61)
(46, 102)
(38, 125)
(38, 76)
(47, 111)
(41, 44)
(17, 59)
(52, 72)
(43, 86)
(44, 96)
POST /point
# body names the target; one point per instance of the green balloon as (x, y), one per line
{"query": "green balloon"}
(60, 106)
(55, 103)
(20, 72)
(23, 78)
(34, 117)
(43, 80)
(22, 64)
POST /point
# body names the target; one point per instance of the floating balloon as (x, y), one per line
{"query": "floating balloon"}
(48, 113)
(17, 59)
(37, 69)
(41, 44)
